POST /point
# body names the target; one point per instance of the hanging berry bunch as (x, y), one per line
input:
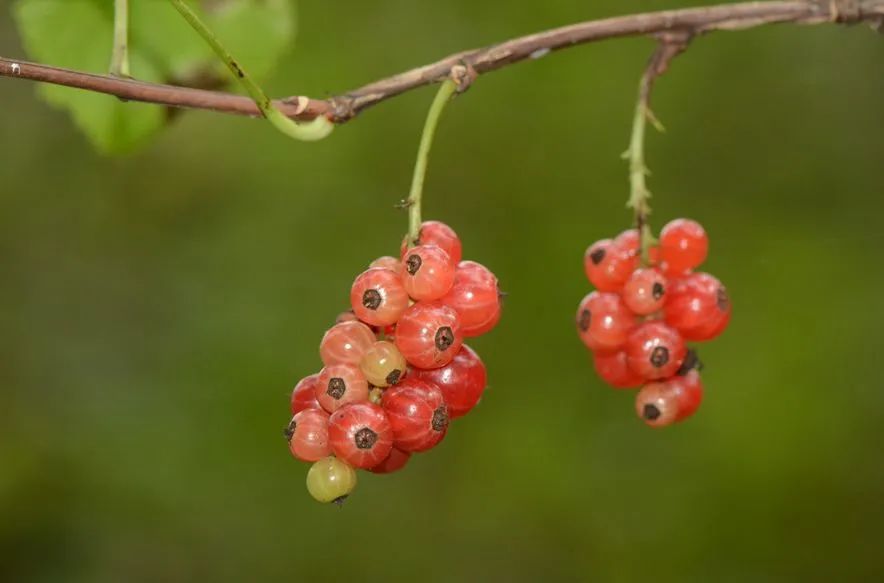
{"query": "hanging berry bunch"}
(396, 369)
(640, 317)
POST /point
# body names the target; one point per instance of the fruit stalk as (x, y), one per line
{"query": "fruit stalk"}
(415, 195)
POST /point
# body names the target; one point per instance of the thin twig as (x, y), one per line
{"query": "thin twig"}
(343, 107)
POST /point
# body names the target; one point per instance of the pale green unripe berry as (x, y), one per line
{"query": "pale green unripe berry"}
(330, 480)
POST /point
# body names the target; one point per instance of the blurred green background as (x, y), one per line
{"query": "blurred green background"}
(157, 308)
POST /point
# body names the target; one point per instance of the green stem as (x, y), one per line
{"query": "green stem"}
(415, 195)
(311, 131)
(639, 195)
(120, 56)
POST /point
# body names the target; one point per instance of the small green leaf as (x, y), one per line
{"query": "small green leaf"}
(78, 34)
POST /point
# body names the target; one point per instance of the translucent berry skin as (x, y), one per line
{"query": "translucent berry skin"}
(427, 272)
(613, 368)
(360, 434)
(683, 246)
(608, 265)
(417, 413)
(330, 480)
(655, 350)
(475, 297)
(603, 321)
(645, 291)
(345, 343)
(340, 384)
(304, 394)
(438, 234)
(382, 364)
(663, 403)
(698, 306)
(378, 296)
(428, 334)
(308, 432)
(393, 462)
(387, 262)
(462, 381)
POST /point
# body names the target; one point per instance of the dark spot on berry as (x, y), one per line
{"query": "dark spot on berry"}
(444, 338)
(365, 438)
(597, 256)
(336, 388)
(660, 356)
(651, 412)
(691, 362)
(394, 377)
(722, 299)
(440, 418)
(584, 320)
(657, 290)
(340, 500)
(289, 430)
(413, 264)
(371, 299)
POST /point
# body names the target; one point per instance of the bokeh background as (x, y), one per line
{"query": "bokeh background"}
(156, 309)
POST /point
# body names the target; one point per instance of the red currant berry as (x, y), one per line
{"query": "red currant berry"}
(689, 392)
(475, 297)
(683, 246)
(604, 321)
(614, 370)
(608, 265)
(417, 413)
(345, 343)
(346, 316)
(428, 334)
(656, 404)
(427, 272)
(440, 235)
(462, 381)
(663, 403)
(387, 262)
(308, 435)
(655, 351)
(340, 384)
(304, 394)
(393, 463)
(383, 364)
(360, 434)
(645, 291)
(378, 296)
(698, 306)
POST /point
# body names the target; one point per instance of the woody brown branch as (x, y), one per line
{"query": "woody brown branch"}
(691, 21)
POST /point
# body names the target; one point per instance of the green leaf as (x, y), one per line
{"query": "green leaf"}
(78, 34)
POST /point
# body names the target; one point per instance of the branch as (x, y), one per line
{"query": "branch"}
(341, 108)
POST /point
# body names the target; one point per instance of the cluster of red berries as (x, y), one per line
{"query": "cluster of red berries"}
(638, 321)
(396, 368)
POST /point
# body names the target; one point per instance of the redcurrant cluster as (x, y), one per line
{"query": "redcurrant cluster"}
(638, 321)
(396, 368)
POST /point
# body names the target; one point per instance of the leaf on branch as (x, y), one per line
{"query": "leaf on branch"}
(78, 34)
